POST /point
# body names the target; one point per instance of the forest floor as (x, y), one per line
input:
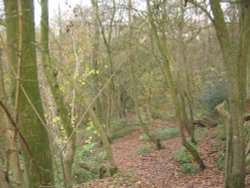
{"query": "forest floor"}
(158, 169)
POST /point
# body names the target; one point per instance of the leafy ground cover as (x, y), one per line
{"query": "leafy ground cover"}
(159, 168)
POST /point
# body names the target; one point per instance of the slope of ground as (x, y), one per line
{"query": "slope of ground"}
(158, 169)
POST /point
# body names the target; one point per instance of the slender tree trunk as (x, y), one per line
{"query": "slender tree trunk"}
(107, 42)
(95, 54)
(62, 111)
(11, 152)
(135, 92)
(9, 144)
(104, 138)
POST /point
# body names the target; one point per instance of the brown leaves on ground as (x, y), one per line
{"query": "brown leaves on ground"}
(158, 168)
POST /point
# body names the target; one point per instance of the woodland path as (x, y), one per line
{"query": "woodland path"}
(158, 169)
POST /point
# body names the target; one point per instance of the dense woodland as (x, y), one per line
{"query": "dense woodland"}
(125, 93)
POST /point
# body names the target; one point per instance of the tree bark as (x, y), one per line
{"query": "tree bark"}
(38, 160)
(235, 62)
(62, 111)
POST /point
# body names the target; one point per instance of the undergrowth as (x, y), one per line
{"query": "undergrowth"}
(144, 150)
(186, 161)
(162, 133)
(88, 156)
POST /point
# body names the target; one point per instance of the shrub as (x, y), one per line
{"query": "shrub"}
(127, 177)
(144, 150)
(188, 168)
(87, 155)
(183, 156)
(214, 95)
(162, 133)
(120, 129)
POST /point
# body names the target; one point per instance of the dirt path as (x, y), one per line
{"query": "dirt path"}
(158, 169)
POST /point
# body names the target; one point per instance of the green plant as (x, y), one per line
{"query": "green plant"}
(162, 133)
(128, 177)
(220, 133)
(214, 94)
(220, 160)
(188, 168)
(183, 156)
(144, 150)
(170, 114)
(91, 158)
(117, 136)
(121, 129)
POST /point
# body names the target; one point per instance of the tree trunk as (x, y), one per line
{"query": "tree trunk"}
(37, 155)
(62, 111)
(176, 97)
(235, 62)
(9, 134)
(134, 83)
(104, 138)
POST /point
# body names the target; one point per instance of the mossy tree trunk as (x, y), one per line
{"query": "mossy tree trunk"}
(235, 62)
(62, 110)
(37, 158)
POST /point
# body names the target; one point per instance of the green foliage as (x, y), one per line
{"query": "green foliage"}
(248, 161)
(188, 168)
(117, 136)
(214, 95)
(220, 160)
(121, 129)
(125, 176)
(199, 112)
(87, 155)
(199, 131)
(170, 114)
(220, 133)
(144, 150)
(163, 133)
(182, 155)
